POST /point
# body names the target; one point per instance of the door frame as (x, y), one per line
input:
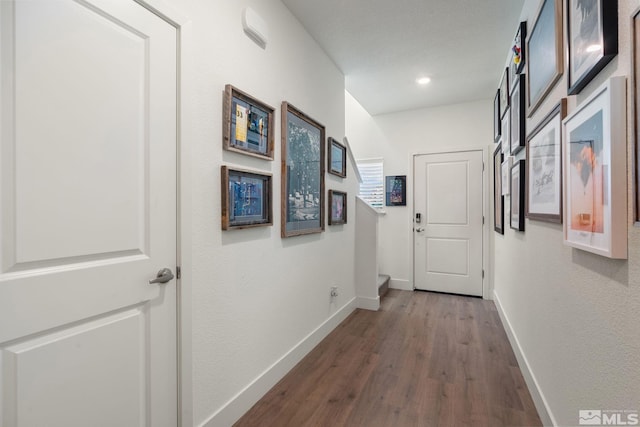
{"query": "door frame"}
(184, 143)
(486, 291)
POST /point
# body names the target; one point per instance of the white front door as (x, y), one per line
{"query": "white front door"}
(88, 215)
(448, 194)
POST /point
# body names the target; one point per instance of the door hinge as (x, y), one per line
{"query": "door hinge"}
(483, 273)
(483, 166)
(178, 272)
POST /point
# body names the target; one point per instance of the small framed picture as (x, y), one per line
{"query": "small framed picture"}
(506, 134)
(593, 39)
(595, 172)
(498, 198)
(337, 158)
(518, 50)
(544, 167)
(504, 92)
(517, 195)
(496, 117)
(396, 190)
(248, 124)
(337, 207)
(507, 163)
(545, 63)
(246, 199)
(518, 119)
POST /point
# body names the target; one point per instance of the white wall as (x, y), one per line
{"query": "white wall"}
(395, 138)
(575, 314)
(256, 296)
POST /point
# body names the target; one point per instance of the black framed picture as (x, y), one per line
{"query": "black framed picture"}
(248, 124)
(498, 198)
(518, 50)
(337, 158)
(518, 119)
(396, 190)
(246, 199)
(504, 92)
(517, 195)
(593, 39)
(337, 207)
(497, 131)
(302, 182)
(545, 63)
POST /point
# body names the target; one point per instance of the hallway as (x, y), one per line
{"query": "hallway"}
(424, 359)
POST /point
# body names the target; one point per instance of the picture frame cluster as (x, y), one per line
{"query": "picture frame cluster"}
(570, 168)
(247, 197)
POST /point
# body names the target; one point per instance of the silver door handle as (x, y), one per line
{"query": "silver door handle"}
(163, 276)
(419, 230)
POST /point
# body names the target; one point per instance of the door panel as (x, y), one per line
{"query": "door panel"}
(448, 242)
(88, 191)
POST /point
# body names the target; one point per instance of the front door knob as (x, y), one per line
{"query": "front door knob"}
(163, 276)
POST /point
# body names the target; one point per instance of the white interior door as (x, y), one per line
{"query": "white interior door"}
(88, 216)
(448, 193)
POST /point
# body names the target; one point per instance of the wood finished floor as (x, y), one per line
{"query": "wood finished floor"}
(424, 359)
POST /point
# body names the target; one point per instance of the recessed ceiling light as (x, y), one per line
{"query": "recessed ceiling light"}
(423, 80)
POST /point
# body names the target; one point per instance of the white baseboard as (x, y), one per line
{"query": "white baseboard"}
(372, 304)
(243, 401)
(546, 416)
(403, 285)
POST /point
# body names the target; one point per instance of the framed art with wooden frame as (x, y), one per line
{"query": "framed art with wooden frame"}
(517, 185)
(635, 105)
(337, 155)
(544, 70)
(246, 199)
(302, 179)
(518, 119)
(496, 117)
(337, 207)
(498, 198)
(248, 124)
(544, 167)
(504, 92)
(595, 172)
(593, 39)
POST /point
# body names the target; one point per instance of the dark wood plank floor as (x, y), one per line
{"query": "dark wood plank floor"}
(424, 359)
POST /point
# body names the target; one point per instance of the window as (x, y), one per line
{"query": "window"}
(372, 186)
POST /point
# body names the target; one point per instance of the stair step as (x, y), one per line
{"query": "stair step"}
(383, 284)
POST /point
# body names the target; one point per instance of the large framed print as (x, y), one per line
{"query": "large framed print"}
(496, 117)
(302, 180)
(517, 195)
(337, 207)
(593, 39)
(544, 167)
(506, 134)
(507, 163)
(595, 172)
(248, 124)
(337, 158)
(504, 92)
(498, 198)
(544, 48)
(246, 199)
(518, 119)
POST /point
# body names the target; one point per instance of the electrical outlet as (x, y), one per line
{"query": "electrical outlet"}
(334, 291)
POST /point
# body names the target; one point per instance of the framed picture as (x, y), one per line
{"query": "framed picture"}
(246, 199)
(496, 117)
(518, 119)
(248, 124)
(517, 195)
(396, 190)
(337, 207)
(593, 39)
(595, 172)
(337, 158)
(506, 133)
(498, 198)
(544, 48)
(302, 182)
(544, 167)
(504, 92)
(518, 50)
(507, 163)
(635, 75)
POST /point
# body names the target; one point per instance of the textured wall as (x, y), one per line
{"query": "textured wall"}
(575, 314)
(255, 295)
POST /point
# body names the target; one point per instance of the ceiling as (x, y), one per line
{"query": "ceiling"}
(383, 46)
